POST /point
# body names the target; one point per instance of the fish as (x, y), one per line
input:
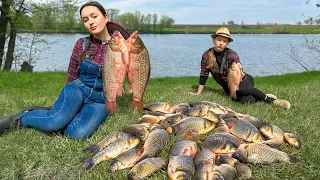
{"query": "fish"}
(272, 131)
(198, 124)
(184, 147)
(256, 153)
(224, 137)
(227, 171)
(244, 129)
(293, 140)
(257, 122)
(171, 120)
(147, 167)
(155, 143)
(124, 160)
(205, 156)
(274, 143)
(225, 159)
(181, 167)
(196, 111)
(219, 144)
(114, 70)
(137, 130)
(204, 171)
(139, 69)
(212, 106)
(95, 148)
(233, 79)
(147, 118)
(114, 149)
(180, 105)
(243, 171)
(159, 107)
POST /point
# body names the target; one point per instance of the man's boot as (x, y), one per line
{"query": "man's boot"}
(282, 103)
(272, 96)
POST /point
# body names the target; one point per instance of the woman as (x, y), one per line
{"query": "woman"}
(218, 60)
(80, 107)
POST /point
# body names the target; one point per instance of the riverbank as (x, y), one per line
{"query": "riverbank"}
(208, 29)
(30, 154)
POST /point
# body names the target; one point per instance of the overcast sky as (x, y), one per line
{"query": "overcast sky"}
(217, 12)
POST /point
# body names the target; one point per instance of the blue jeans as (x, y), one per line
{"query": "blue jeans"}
(79, 110)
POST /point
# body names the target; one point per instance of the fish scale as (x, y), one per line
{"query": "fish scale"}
(146, 168)
(244, 129)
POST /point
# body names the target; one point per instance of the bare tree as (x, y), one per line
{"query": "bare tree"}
(4, 9)
(154, 20)
(113, 14)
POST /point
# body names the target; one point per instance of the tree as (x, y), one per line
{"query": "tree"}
(113, 14)
(154, 20)
(148, 22)
(230, 22)
(298, 23)
(4, 9)
(166, 21)
(17, 18)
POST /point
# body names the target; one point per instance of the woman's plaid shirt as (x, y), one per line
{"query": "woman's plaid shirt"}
(95, 53)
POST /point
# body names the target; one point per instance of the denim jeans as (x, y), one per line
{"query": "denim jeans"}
(78, 110)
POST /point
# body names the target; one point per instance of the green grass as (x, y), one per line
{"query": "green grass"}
(31, 154)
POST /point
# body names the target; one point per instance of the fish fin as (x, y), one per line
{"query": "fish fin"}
(141, 151)
(89, 162)
(193, 152)
(191, 135)
(94, 149)
(111, 107)
(137, 105)
(292, 158)
(107, 157)
(231, 124)
(169, 130)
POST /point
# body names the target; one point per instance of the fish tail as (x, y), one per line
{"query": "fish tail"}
(292, 158)
(137, 105)
(111, 106)
(94, 149)
(89, 162)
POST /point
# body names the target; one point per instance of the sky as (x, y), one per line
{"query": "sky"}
(217, 12)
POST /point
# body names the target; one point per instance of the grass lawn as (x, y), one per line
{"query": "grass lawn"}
(31, 154)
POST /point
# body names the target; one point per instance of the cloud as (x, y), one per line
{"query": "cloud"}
(216, 12)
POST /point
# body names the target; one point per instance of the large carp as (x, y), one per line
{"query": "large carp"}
(138, 69)
(114, 70)
(234, 78)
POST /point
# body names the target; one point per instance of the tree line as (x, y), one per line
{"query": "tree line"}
(60, 16)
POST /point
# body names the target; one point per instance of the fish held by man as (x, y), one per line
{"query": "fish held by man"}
(234, 78)
(138, 69)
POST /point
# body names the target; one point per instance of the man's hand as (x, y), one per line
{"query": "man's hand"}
(193, 93)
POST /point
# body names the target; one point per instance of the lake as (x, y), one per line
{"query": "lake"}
(180, 54)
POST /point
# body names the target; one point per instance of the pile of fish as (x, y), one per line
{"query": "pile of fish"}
(208, 141)
(125, 58)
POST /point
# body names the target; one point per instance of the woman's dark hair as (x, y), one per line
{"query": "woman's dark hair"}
(103, 11)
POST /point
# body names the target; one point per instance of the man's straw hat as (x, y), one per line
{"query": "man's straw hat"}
(223, 31)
